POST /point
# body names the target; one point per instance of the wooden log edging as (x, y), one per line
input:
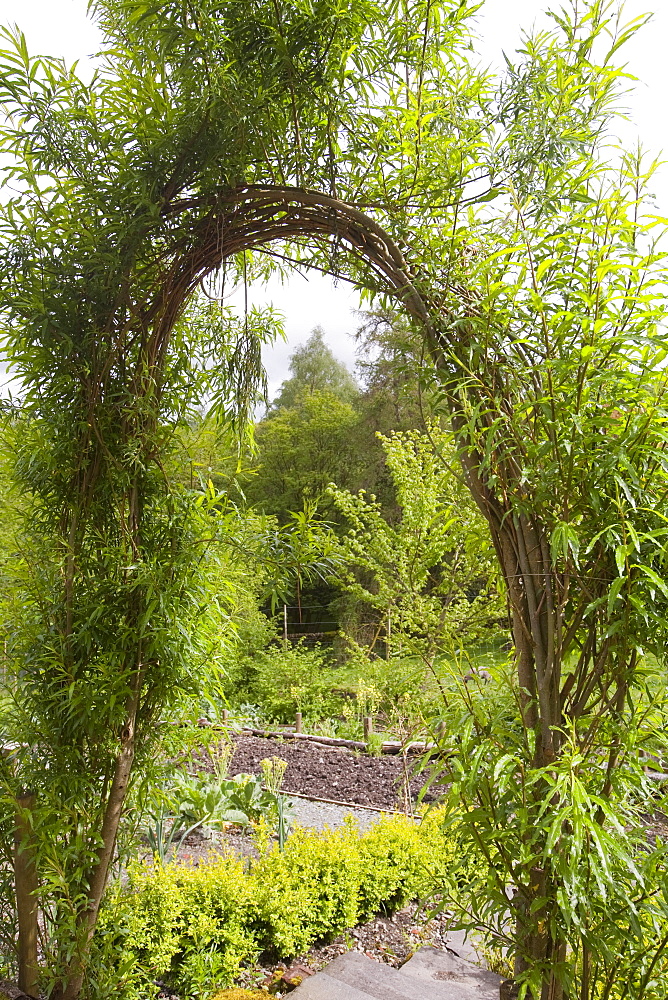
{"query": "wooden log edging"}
(389, 747)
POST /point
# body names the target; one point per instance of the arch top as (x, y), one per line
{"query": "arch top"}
(252, 216)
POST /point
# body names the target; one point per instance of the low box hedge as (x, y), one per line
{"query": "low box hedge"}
(194, 927)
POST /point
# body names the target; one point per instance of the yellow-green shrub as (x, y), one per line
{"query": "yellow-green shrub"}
(400, 861)
(184, 921)
(309, 890)
(196, 926)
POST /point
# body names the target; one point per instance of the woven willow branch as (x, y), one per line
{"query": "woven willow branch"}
(255, 216)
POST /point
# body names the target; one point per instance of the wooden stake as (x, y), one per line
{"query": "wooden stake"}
(368, 726)
(298, 722)
(225, 715)
(25, 883)
(285, 623)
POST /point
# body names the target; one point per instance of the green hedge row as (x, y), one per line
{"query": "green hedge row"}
(194, 927)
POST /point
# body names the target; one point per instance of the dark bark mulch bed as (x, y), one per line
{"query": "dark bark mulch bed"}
(331, 773)
(390, 939)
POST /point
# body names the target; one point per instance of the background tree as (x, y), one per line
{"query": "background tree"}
(429, 578)
(300, 450)
(322, 427)
(314, 368)
(395, 397)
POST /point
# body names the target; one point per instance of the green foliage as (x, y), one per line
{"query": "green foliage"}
(301, 449)
(558, 392)
(299, 553)
(611, 900)
(309, 439)
(322, 427)
(172, 802)
(286, 679)
(240, 570)
(273, 772)
(398, 693)
(129, 619)
(395, 397)
(163, 833)
(191, 920)
(432, 573)
(197, 925)
(213, 800)
(208, 802)
(409, 701)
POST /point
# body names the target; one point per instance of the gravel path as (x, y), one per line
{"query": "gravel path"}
(318, 815)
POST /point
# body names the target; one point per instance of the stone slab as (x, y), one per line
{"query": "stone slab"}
(444, 967)
(324, 987)
(383, 982)
(12, 992)
(464, 947)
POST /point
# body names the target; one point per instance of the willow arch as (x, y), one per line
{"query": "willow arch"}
(210, 230)
(78, 325)
(254, 216)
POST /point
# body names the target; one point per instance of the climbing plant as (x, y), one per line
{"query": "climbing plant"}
(356, 137)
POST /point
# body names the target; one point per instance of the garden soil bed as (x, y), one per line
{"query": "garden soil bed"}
(331, 772)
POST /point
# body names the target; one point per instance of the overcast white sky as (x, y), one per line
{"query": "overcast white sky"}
(61, 27)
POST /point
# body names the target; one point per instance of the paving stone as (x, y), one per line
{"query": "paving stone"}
(375, 979)
(464, 947)
(440, 967)
(324, 987)
(12, 992)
